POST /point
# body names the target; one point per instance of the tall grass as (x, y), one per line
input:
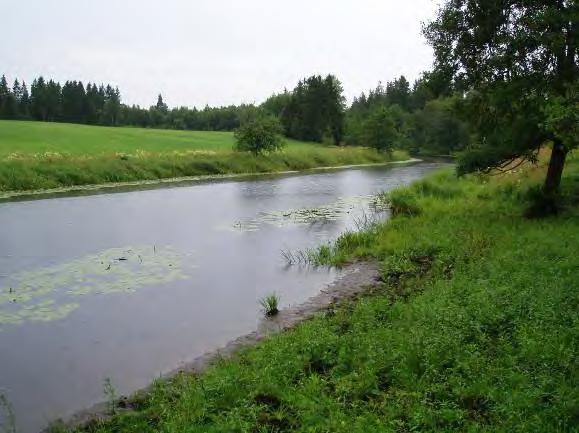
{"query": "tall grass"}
(270, 304)
(110, 394)
(473, 328)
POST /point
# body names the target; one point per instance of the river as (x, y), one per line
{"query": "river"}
(125, 286)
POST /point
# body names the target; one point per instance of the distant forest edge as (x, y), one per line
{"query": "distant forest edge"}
(420, 118)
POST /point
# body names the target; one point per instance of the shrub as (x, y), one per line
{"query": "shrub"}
(258, 134)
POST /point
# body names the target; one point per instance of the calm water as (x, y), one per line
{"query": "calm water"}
(129, 285)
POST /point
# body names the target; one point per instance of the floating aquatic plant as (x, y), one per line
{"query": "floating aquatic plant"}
(44, 294)
(44, 311)
(325, 213)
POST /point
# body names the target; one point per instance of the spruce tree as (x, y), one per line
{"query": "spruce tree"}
(24, 103)
(4, 95)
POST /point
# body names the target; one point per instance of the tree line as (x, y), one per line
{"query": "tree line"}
(390, 116)
(420, 118)
(99, 104)
(48, 100)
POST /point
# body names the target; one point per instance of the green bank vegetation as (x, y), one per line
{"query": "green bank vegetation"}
(473, 327)
(259, 134)
(39, 155)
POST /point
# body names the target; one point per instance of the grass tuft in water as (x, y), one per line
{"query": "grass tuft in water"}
(320, 256)
(270, 304)
(110, 394)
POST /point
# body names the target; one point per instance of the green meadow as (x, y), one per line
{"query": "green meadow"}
(28, 138)
(473, 328)
(41, 155)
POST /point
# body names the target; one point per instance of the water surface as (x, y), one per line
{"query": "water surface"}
(129, 285)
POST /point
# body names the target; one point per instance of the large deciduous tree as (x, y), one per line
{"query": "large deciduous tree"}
(517, 62)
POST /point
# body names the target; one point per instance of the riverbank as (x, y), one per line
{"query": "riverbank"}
(131, 185)
(47, 156)
(356, 279)
(473, 328)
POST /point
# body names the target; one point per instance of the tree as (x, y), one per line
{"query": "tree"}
(398, 92)
(258, 134)
(17, 90)
(438, 130)
(37, 94)
(112, 106)
(4, 95)
(73, 102)
(161, 106)
(517, 61)
(336, 107)
(315, 110)
(10, 99)
(91, 104)
(52, 100)
(379, 130)
(24, 108)
(276, 104)
(425, 89)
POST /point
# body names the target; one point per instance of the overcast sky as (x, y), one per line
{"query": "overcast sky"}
(215, 52)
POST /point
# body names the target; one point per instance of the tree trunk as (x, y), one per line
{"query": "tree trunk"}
(556, 165)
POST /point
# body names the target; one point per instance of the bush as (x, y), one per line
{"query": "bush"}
(260, 133)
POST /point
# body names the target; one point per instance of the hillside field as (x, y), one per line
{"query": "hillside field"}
(27, 138)
(39, 155)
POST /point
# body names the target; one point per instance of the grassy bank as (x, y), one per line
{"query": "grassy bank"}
(37, 155)
(474, 328)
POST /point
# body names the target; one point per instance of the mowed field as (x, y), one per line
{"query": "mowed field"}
(26, 138)
(39, 155)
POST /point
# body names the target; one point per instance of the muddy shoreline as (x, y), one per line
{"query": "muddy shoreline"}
(357, 279)
(7, 196)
